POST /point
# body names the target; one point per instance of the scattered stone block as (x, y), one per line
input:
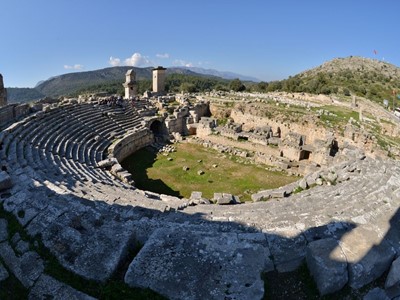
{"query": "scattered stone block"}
(185, 168)
(170, 159)
(224, 199)
(200, 172)
(199, 161)
(173, 261)
(49, 288)
(376, 294)
(5, 181)
(392, 283)
(327, 265)
(303, 184)
(215, 166)
(196, 195)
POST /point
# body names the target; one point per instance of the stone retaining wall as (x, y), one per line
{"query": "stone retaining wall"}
(131, 143)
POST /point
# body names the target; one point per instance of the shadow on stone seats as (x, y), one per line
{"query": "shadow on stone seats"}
(196, 256)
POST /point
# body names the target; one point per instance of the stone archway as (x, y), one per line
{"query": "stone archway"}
(157, 128)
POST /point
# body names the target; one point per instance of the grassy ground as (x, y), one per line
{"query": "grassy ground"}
(156, 173)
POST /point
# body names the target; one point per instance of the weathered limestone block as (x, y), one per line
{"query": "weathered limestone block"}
(3, 230)
(26, 268)
(107, 163)
(187, 264)
(224, 198)
(196, 195)
(392, 284)
(5, 181)
(47, 287)
(268, 194)
(89, 246)
(376, 294)
(327, 265)
(368, 256)
(288, 251)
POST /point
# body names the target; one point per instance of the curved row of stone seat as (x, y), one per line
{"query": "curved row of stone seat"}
(67, 140)
(125, 116)
(226, 237)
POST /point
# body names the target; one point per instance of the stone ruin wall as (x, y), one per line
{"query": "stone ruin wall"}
(13, 112)
(250, 122)
(131, 143)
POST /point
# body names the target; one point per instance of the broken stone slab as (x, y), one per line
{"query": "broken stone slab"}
(368, 255)
(376, 294)
(26, 268)
(5, 181)
(268, 194)
(196, 195)
(47, 287)
(3, 230)
(87, 247)
(187, 264)
(303, 184)
(392, 283)
(327, 265)
(224, 199)
(3, 273)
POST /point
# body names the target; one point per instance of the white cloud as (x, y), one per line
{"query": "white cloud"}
(165, 55)
(180, 62)
(114, 61)
(137, 60)
(74, 67)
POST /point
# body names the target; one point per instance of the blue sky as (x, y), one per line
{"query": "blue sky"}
(264, 39)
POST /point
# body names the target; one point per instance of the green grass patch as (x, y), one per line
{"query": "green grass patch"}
(157, 174)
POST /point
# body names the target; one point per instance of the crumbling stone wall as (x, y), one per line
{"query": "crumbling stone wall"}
(250, 122)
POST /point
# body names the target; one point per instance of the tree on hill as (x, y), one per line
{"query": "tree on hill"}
(237, 85)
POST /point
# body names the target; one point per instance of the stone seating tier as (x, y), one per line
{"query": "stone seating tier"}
(89, 220)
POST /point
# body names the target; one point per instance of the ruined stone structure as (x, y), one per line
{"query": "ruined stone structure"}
(159, 80)
(130, 84)
(3, 93)
(62, 180)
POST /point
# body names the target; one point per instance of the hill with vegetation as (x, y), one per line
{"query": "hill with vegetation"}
(110, 80)
(364, 77)
(16, 95)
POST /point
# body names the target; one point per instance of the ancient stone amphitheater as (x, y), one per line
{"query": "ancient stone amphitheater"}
(347, 233)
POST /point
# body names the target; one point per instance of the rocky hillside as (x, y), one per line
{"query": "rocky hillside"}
(364, 77)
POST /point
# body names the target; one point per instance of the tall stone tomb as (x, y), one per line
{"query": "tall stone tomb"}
(3, 93)
(159, 80)
(130, 84)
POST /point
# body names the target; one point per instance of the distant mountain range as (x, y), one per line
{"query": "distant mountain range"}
(225, 75)
(69, 83)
